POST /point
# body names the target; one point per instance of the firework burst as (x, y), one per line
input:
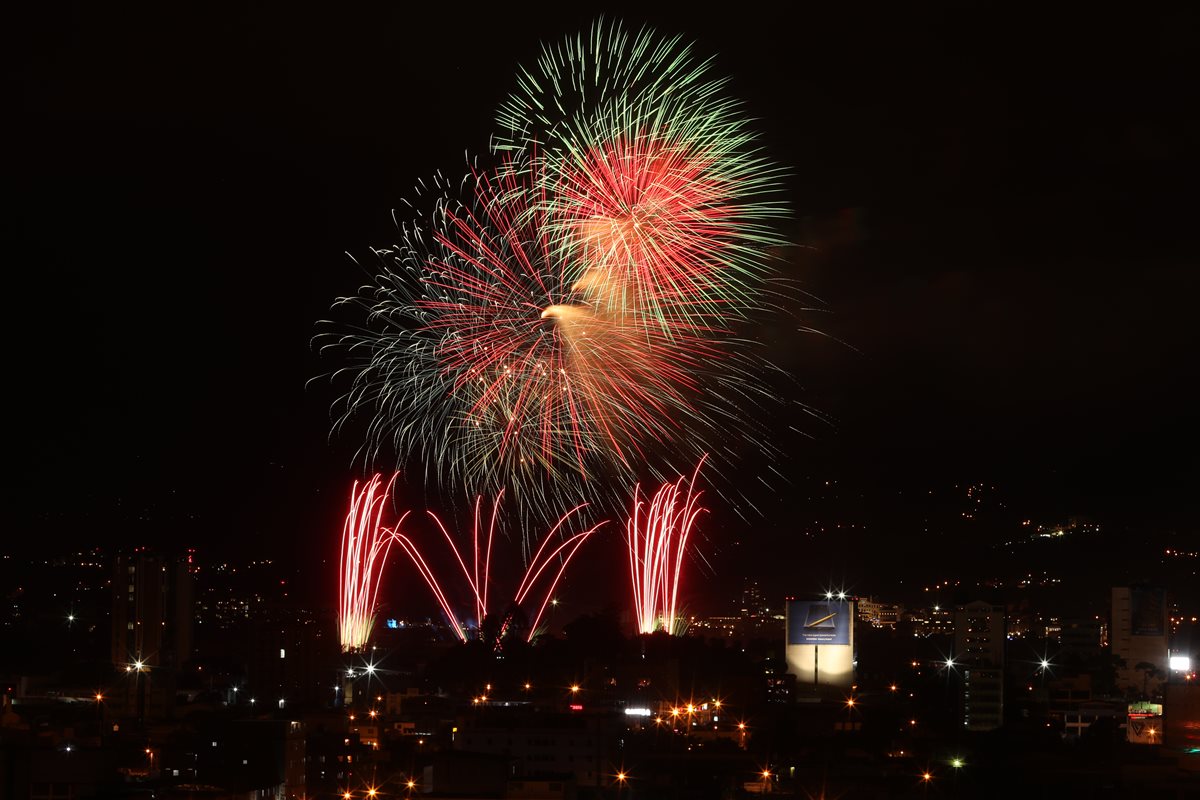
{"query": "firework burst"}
(657, 535)
(482, 358)
(653, 184)
(364, 551)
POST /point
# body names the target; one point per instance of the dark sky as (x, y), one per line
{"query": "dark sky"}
(997, 211)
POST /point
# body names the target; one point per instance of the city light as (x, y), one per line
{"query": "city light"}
(957, 763)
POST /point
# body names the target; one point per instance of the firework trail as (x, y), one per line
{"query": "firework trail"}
(477, 576)
(657, 536)
(364, 551)
(652, 181)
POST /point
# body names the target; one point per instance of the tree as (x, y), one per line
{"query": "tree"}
(1148, 671)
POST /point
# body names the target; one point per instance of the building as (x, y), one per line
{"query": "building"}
(1081, 636)
(563, 747)
(1139, 636)
(152, 615)
(979, 654)
(151, 611)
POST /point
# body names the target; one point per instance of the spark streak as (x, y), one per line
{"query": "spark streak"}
(364, 550)
(657, 540)
(477, 576)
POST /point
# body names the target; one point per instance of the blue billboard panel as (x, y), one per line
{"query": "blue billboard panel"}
(819, 621)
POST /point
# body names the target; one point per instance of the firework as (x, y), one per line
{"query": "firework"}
(563, 325)
(364, 551)
(484, 359)
(477, 575)
(657, 536)
(653, 185)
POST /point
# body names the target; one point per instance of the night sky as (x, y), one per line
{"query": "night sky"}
(996, 212)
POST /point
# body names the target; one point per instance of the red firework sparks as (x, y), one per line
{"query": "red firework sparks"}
(477, 575)
(653, 227)
(364, 551)
(548, 370)
(657, 538)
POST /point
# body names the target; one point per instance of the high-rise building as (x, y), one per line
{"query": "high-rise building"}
(1139, 635)
(151, 632)
(151, 611)
(979, 656)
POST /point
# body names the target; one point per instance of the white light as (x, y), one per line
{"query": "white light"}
(1181, 663)
(370, 669)
(282, 653)
(637, 712)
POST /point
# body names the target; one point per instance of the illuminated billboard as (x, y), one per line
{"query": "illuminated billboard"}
(819, 622)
